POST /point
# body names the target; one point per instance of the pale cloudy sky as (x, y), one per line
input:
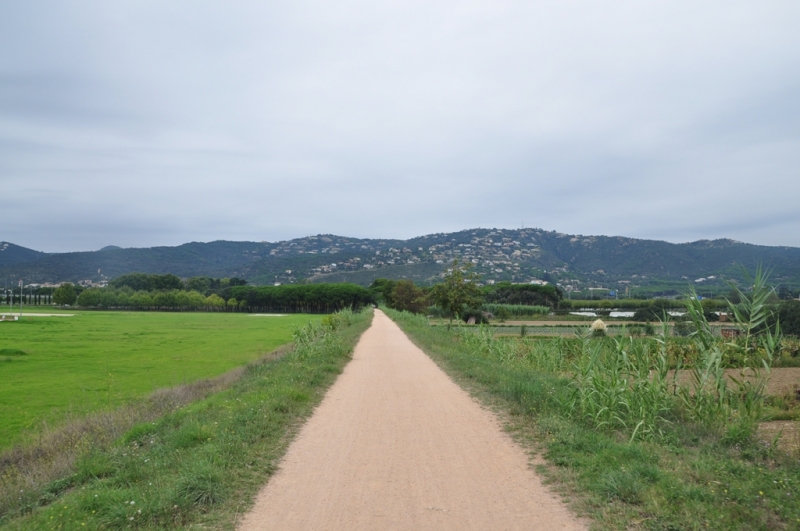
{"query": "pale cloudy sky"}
(157, 123)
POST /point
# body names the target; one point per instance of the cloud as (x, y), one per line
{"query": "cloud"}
(144, 123)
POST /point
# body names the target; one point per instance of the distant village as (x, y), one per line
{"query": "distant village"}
(498, 255)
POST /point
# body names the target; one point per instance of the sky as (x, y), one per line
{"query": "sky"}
(158, 123)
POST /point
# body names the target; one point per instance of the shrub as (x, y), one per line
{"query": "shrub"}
(789, 316)
(479, 317)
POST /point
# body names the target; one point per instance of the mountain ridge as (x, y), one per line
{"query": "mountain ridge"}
(573, 261)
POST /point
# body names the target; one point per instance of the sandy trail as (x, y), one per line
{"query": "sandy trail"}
(396, 444)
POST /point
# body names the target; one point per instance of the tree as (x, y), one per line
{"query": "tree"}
(196, 300)
(407, 297)
(459, 290)
(214, 301)
(502, 314)
(65, 294)
(182, 300)
(90, 298)
(146, 282)
(199, 284)
(141, 299)
(123, 299)
(789, 315)
(528, 294)
(382, 289)
(309, 298)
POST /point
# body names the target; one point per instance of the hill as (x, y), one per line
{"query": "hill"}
(11, 254)
(575, 262)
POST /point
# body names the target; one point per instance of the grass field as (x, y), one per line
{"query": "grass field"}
(198, 466)
(53, 366)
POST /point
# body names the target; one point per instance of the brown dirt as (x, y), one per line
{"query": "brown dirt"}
(396, 444)
(786, 431)
(782, 380)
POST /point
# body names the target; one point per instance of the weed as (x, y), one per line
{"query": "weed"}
(618, 433)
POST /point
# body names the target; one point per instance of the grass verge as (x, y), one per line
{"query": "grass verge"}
(198, 466)
(690, 478)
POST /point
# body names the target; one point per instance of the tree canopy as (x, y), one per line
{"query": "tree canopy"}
(458, 291)
(528, 294)
(65, 294)
(145, 282)
(789, 315)
(406, 296)
(303, 298)
(382, 290)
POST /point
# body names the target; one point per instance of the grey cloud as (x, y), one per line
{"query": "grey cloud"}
(144, 123)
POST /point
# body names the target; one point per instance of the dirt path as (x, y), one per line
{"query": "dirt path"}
(395, 445)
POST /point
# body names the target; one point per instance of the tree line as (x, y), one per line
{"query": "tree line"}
(459, 295)
(148, 282)
(303, 298)
(141, 291)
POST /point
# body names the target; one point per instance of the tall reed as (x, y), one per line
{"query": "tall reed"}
(637, 385)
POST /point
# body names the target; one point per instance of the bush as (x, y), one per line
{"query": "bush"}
(502, 313)
(789, 316)
(478, 315)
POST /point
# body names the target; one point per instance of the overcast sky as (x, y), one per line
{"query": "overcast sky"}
(158, 123)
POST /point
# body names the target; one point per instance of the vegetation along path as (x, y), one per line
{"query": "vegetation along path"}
(396, 444)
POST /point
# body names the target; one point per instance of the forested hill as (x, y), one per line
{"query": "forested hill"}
(11, 254)
(575, 261)
(191, 259)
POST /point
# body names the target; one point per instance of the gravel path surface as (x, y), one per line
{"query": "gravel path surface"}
(396, 444)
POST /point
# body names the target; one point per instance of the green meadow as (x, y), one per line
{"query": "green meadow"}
(52, 367)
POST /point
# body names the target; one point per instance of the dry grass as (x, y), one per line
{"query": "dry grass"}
(782, 380)
(785, 432)
(53, 452)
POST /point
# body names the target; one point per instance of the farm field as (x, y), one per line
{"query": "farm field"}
(556, 328)
(56, 366)
(636, 456)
